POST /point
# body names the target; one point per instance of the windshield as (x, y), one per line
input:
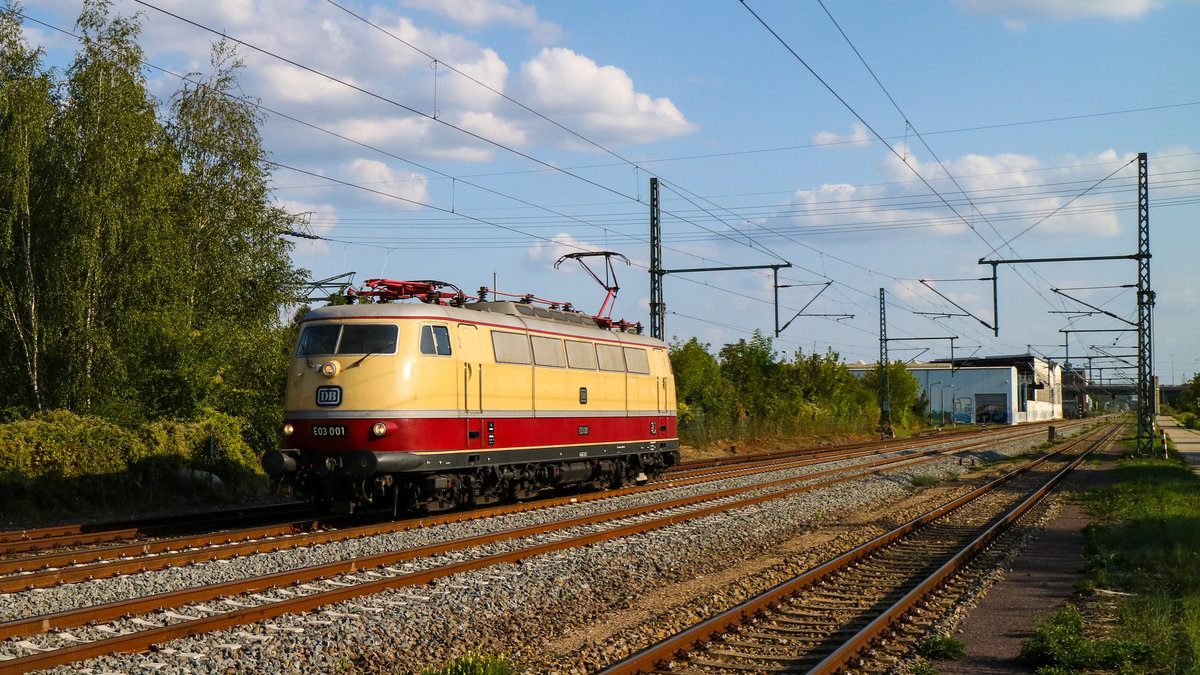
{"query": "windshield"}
(348, 339)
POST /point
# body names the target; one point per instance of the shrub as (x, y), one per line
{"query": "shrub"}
(61, 463)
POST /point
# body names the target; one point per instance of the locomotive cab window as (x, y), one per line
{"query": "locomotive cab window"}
(368, 339)
(348, 339)
(319, 340)
(435, 340)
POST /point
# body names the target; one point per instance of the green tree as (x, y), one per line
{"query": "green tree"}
(142, 263)
(750, 367)
(905, 389)
(234, 256)
(114, 274)
(699, 383)
(27, 107)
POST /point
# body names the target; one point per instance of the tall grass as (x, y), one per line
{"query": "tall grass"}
(1146, 544)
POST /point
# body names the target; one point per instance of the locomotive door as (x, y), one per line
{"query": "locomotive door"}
(666, 391)
(469, 347)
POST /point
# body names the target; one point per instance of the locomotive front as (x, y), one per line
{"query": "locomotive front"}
(349, 378)
(440, 404)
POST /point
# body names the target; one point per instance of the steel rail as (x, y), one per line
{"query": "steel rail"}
(873, 632)
(144, 639)
(90, 564)
(23, 541)
(16, 541)
(653, 657)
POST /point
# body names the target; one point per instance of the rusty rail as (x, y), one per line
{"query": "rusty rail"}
(144, 639)
(655, 656)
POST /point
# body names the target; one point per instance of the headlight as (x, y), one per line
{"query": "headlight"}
(288, 430)
(329, 369)
(379, 429)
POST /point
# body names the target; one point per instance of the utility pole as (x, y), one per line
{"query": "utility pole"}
(1145, 306)
(657, 309)
(657, 305)
(885, 389)
(1145, 302)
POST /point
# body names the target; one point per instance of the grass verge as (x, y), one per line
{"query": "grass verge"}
(1142, 585)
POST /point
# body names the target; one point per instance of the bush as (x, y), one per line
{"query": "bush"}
(59, 463)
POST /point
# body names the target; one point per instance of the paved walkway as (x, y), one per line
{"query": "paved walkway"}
(1187, 441)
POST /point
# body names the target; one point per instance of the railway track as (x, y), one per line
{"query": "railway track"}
(81, 534)
(860, 610)
(73, 536)
(135, 624)
(45, 569)
(23, 546)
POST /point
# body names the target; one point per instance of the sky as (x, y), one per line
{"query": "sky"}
(870, 145)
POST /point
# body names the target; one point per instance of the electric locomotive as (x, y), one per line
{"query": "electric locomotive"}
(433, 405)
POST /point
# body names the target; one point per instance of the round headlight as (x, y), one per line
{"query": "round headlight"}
(329, 369)
(379, 429)
(288, 430)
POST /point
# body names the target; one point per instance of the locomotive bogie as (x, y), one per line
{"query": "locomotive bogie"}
(429, 407)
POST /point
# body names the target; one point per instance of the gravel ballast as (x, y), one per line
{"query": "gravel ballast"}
(519, 609)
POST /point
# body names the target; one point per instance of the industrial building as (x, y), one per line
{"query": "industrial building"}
(988, 390)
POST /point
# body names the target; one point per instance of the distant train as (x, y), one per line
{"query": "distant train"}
(429, 406)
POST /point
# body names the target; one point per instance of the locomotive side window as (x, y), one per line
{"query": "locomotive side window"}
(548, 351)
(581, 355)
(610, 358)
(511, 347)
(637, 360)
(435, 340)
(318, 340)
(368, 339)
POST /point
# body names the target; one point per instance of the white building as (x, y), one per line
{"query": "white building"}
(988, 390)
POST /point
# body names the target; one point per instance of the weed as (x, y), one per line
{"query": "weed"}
(922, 668)
(474, 663)
(942, 648)
(924, 480)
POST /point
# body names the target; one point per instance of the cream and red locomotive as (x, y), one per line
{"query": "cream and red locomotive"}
(444, 403)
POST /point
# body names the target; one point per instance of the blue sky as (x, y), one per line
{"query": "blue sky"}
(1009, 110)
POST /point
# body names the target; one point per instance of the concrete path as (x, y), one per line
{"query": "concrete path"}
(1187, 441)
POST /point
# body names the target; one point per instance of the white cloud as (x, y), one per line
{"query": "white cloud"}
(1065, 9)
(381, 178)
(483, 13)
(547, 253)
(599, 101)
(858, 138)
(389, 131)
(492, 127)
(1009, 197)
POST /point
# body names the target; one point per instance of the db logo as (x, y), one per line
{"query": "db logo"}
(329, 396)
